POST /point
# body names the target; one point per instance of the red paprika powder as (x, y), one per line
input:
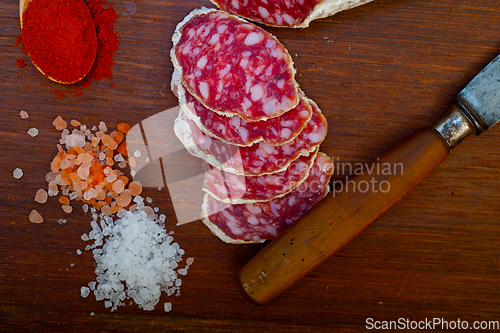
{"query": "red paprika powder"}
(20, 62)
(60, 38)
(104, 17)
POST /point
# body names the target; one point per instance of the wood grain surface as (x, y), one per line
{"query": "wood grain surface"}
(379, 72)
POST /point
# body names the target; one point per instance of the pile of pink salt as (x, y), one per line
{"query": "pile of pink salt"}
(88, 167)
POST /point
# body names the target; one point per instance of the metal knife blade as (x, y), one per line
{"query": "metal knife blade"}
(480, 99)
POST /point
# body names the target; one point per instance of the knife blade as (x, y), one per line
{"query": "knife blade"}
(339, 218)
(480, 100)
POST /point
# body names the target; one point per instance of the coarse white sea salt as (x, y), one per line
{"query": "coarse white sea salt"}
(18, 173)
(84, 291)
(136, 258)
(167, 306)
(33, 131)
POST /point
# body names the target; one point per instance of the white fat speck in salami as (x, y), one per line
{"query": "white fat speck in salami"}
(286, 13)
(238, 189)
(255, 160)
(257, 222)
(275, 131)
(234, 67)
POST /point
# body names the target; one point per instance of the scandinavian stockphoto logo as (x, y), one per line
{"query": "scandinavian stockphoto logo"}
(377, 170)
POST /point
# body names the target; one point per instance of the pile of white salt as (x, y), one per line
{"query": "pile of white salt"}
(136, 258)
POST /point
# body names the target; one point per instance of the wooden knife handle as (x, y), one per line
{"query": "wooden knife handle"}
(341, 216)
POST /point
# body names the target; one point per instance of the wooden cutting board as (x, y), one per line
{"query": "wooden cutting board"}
(379, 73)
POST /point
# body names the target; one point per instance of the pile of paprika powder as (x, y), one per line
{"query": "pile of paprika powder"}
(49, 24)
(60, 38)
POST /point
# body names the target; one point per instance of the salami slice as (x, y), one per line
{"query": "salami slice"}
(238, 189)
(286, 13)
(275, 131)
(258, 159)
(234, 67)
(257, 222)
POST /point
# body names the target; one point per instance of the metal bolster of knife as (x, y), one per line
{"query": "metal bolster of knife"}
(476, 109)
(456, 125)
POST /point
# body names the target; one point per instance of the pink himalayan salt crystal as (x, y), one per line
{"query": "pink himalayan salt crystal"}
(102, 126)
(90, 193)
(106, 210)
(85, 158)
(83, 172)
(24, 114)
(35, 217)
(189, 261)
(150, 213)
(74, 177)
(65, 163)
(67, 208)
(60, 181)
(80, 186)
(118, 186)
(50, 176)
(109, 142)
(55, 164)
(95, 141)
(107, 171)
(41, 196)
(124, 198)
(111, 178)
(74, 139)
(53, 189)
(59, 123)
(75, 123)
(135, 188)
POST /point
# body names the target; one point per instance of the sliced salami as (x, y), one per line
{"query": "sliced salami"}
(234, 67)
(275, 131)
(258, 159)
(257, 222)
(238, 189)
(286, 13)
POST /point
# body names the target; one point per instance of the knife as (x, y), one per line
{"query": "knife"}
(339, 218)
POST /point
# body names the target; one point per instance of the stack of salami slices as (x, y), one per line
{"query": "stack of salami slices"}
(244, 115)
